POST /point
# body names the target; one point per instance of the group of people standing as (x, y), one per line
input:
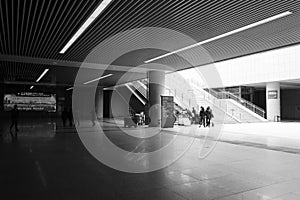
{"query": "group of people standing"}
(204, 117)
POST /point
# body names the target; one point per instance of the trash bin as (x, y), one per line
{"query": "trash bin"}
(277, 118)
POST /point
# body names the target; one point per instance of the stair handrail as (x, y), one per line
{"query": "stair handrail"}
(140, 88)
(247, 104)
(214, 101)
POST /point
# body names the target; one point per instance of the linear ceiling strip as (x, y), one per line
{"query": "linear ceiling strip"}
(88, 39)
(80, 17)
(44, 27)
(56, 38)
(53, 20)
(45, 10)
(34, 24)
(57, 24)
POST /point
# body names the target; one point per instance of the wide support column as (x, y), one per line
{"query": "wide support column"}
(273, 100)
(99, 102)
(156, 85)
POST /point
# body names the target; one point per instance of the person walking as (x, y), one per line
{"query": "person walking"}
(202, 117)
(14, 120)
(209, 116)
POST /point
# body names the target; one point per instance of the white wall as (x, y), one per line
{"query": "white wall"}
(270, 66)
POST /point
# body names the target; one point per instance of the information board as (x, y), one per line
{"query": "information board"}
(167, 111)
(30, 101)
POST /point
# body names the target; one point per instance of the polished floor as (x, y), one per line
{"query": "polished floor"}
(248, 162)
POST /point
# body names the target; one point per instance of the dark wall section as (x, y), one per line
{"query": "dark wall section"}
(290, 104)
(107, 103)
(259, 98)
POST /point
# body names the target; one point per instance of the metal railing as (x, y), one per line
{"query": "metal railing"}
(241, 101)
(140, 87)
(210, 95)
(218, 103)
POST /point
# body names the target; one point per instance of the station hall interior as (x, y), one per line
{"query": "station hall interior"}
(150, 99)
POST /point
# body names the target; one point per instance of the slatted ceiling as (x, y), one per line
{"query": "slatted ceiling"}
(13, 71)
(40, 29)
(39, 24)
(62, 19)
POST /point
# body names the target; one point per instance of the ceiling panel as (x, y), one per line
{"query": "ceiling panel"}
(40, 29)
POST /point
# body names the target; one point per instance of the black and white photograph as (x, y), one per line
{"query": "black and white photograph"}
(149, 100)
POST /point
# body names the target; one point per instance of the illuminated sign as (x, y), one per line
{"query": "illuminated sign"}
(272, 94)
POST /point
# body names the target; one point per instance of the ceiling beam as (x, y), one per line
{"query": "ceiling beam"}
(64, 63)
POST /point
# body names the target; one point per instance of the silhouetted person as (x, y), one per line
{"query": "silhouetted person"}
(209, 115)
(202, 117)
(14, 120)
(70, 117)
(64, 116)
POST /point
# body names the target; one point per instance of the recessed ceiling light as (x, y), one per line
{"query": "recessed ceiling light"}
(86, 24)
(41, 76)
(223, 35)
(31, 87)
(96, 79)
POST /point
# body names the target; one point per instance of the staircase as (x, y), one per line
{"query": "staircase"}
(227, 108)
(240, 108)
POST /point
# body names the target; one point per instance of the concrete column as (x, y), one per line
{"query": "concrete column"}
(99, 102)
(273, 100)
(156, 84)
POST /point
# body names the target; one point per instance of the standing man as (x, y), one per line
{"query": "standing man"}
(14, 120)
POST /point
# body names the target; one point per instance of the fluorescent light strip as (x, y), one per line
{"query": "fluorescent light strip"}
(96, 79)
(223, 35)
(71, 88)
(31, 87)
(43, 74)
(86, 24)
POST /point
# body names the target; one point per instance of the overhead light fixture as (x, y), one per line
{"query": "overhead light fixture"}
(86, 24)
(41, 76)
(97, 79)
(223, 35)
(31, 87)
(71, 88)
